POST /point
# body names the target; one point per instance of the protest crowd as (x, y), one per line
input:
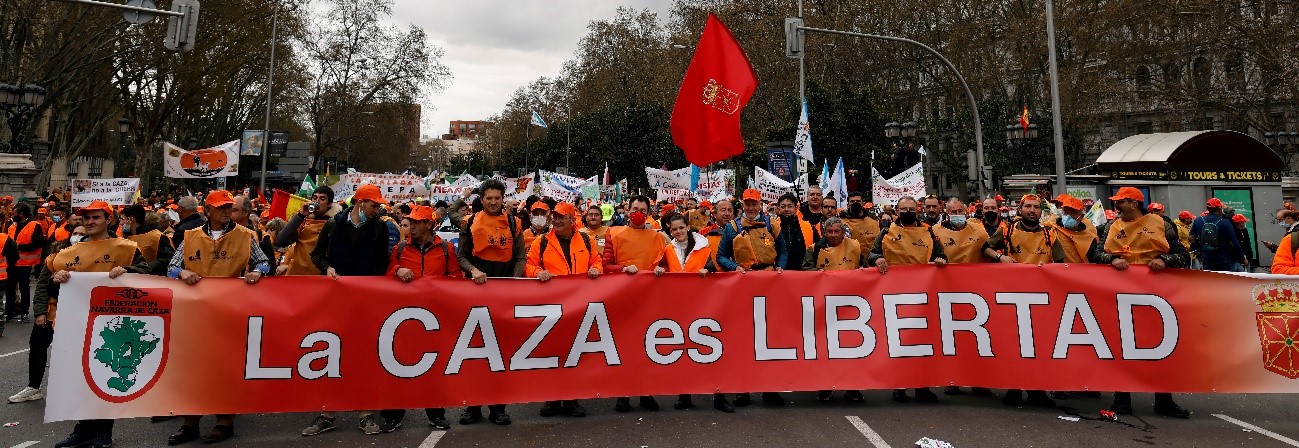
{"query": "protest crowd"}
(542, 238)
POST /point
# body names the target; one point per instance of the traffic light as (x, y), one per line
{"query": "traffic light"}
(794, 37)
(182, 30)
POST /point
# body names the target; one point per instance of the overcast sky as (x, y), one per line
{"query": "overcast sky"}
(493, 47)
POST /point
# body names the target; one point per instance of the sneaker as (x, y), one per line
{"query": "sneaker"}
(471, 415)
(1014, 397)
(683, 402)
(952, 390)
(185, 434)
(389, 426)
(75, 439)
(439, 423)
(649, 404)
(622, 406)
(27, 394)
(1169, 408)
(102, 440)
(27, 319)
(719, 403)
(368, 425)
(319, 425)
(550, 409)
(926, 396)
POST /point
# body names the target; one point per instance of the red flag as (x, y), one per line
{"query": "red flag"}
(717, 86)
(1023, 118)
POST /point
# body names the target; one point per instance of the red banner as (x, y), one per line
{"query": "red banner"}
(295, 344)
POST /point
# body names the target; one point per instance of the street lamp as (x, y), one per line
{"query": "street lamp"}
(1016, 132)
(119, 162)
(19, 103)
(1284, 144)
(893, 129)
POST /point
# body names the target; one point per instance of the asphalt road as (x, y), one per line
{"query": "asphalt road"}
(1219, 420)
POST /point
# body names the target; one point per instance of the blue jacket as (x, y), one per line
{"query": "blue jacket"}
(726, 248)
(1228, 250)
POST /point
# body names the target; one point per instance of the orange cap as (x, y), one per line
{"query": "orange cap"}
(1185, 215)
(219, 198)
(42, 211)
(752, 194)
(1156, 206)
(706, 204)
(1030, 197)
(1214, 202)
(1129, 193)
(998, 198)
(96, 205)
(539, 205)
(420, 213)
(1067, 201)
(667, 209)
(1239, 218)
(564, 208)
(869, 205)
(369, 192)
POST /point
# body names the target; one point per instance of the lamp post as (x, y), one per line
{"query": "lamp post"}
(1285, 144)
(901, 135)
(1015, 132)
(123, 133)
(18, 104)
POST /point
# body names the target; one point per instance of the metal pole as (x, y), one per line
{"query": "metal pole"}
(270, 84)
(1055, 101)
(974, 105)
(128, 7)
(799, 167)
(527, 145)
(569, 143)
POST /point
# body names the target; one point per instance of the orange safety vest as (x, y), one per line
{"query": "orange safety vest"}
(754, 244)
(846, 256)
(90, 256)
(148, 243)
(62, 234)
(1138, 241)
(1076, 244)
(1030, 247)
(965, 245)
(4, 262)
(864, 230)
(493, 237)
(642, 248)
(31, 257)
(529, 237)
(907, 245)
(582, 256)
(440, 260)
(227, 256)
(696, 260)
(298, 258)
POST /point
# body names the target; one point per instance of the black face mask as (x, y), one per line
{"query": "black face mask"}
(991, 216)
(907, 218)
(855, 208)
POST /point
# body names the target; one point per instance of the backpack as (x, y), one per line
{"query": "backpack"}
(446, 255)
(1208, 236)
(544, 242)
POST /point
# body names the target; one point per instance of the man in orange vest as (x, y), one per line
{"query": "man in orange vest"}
(563, 251)
(302, 232)
(1137, 237)
(1075, 232)
(907, 241)
(219, 248)
(116, 256)
(539, 223)
(58, 217)
(835, 252)
(491, 246)
(8, 260)
(724, 214)
(30, 236)
(155, 247)
(593, 225)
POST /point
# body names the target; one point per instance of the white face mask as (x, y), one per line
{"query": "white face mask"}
(539, 221)
(74, 239)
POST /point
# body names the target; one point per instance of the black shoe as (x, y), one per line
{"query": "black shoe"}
(742, 400)
(550, 409)
(1014, 397)
(1122, 405)
(389, 425)
(772, 399)
(1087, 394)
(75, 439)
(926, 396)
(471, 415)
(719, 403)
(219, 434)
(574, 409)
(683, 402)
(952, 390)
(439, 423)
(1040, 399)
(499, 418)
(185, 434)
(649, 404)
(1059, 395)
(824, 396)
(160, 418)
(623, 405)
(1171, 409)
(982, 392)
(102, 440)
(854, 396)
(900, 396)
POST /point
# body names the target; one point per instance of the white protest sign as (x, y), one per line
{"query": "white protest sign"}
(771, 185)
(668, 179)
(393, 187)
(113, 191)
(907, 183)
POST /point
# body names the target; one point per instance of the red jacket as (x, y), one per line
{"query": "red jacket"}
(431, 261)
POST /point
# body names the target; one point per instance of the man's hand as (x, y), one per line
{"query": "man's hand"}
(779, 270)
(739, 269)
(703, 272)
(658, 270)
(116, 272)
(593, 273)
(1157, 264)
(479, 277)
(40, 320)
(1270, 245)
(940, 262)
(332, 273)
(282, 269)
(544, 276)
(61, 277)
(883, 265)
(406, 275)
(1005, 259)
(253, 277)
(1119, 263)
(189, 277)
(630, 269)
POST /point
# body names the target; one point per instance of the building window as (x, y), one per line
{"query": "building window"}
(1144, 82)
(1200, 70)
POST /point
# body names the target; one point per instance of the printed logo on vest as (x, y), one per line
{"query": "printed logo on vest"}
(126, 341)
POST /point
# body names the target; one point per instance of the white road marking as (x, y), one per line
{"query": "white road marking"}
(432, 439)
(15, 353)
(1281, 438)
(865, 430)
(26, 444)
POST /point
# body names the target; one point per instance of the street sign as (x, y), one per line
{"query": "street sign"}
(136, 16)
(182, 30)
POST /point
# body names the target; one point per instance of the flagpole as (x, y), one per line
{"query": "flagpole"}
(270, 82)
(802, 101)
(1055, 100)
(527, 145)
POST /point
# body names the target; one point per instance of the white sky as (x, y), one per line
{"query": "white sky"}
(493, 47)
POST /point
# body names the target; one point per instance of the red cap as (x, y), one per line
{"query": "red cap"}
(1239, 218)
(1128, 193)
(96, 205)
(1214, 203)
(706, 204)
(1067, 201)
(1156, 206)
(539, 205)
(421, 213)
(752, 194)
(1185, 215)
(998, 198)
(219, 198)
(369, 192)
(667, 209)
(42, 211)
